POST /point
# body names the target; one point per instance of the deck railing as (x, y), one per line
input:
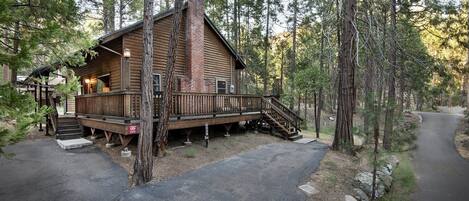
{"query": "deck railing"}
(127, 104)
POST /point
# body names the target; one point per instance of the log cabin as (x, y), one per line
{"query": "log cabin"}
(206, 84)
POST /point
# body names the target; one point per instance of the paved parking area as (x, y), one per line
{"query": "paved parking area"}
(270, 172)
(42, 171)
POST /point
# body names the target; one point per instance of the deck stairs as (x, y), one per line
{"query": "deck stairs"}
(65, 127)
(68, 128)
(281, 119)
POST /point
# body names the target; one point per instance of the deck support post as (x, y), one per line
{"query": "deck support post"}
(93, 133)
(47, 104)
(206, 138)
(188, 133)
(108, 135)
(40, 105)
(227, 129)
(125, 140)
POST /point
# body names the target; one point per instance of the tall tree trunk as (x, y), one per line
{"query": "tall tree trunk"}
(293, 58)
(282, 61)
(467, 67)
(343, 139)
(109, 13)
(266, 50)
(16, 43)
(318, 106)
(369, 72)
(235, 24)
(144, 159)
(121, 13)
(389, 119)
(162, 131)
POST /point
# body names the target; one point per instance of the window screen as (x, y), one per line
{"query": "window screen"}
(221, 87)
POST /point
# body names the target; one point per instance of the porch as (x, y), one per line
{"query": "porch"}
(119, 112)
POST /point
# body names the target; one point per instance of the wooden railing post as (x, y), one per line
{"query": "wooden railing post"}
(214, 105)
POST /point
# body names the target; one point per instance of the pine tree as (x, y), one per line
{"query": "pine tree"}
(143, 166)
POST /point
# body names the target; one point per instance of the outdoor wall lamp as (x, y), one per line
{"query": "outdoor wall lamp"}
(87, 81)
(127, 53)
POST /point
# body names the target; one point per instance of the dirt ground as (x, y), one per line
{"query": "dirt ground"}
(335, 175)
(180, 158)
(461, 139)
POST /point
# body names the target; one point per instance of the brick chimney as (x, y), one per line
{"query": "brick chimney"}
(195, 45)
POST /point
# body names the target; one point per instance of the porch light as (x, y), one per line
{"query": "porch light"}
(127, 53)
(87, 81)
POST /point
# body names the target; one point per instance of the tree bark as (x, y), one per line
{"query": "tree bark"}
(369, 72)
(343, 139)
(165, 108)
(293, 58)
(16, 43)
(144, 159)
(389, 119)
(109, 13)
(266, 50)
(121, 13)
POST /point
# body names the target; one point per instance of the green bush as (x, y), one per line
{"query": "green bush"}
(17, 109)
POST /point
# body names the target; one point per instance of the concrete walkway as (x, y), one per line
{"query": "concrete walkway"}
(270, 172)
(42, 171)
(441, 173)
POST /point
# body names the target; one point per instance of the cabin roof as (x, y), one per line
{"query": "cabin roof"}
(139, 24)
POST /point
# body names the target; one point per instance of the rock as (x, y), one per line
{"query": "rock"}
(393, 160)
(110, 145)
(358, 141)
(308, 189)
(126, 153)
(385, 170)
(386, 180)
(364, 181)
(360, 195)
(349, 198)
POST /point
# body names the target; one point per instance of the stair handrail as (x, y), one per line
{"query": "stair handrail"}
(284, 107)
(54, 114)
(282, 113)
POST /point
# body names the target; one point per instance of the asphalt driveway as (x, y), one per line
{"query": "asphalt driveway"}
(270, 172)
(41, 171)
(441, 173)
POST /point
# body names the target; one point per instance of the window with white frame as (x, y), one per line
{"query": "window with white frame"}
(156, 83)
(221, 86)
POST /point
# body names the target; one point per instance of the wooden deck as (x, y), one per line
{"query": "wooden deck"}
(119, 112)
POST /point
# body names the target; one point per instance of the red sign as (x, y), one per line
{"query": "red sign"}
(132, 129)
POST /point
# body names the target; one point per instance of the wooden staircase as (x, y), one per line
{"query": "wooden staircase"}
(281, 118)
(68, 128)
(64, 127)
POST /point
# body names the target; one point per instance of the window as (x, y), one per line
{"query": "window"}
(104, 83)
(221, 86)
(156, 83)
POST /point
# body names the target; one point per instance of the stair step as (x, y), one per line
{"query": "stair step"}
(69, 136)
(295, 137)
(67, 126)
(72, 130)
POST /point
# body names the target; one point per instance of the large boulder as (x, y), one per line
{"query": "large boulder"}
(360, 195)
(364, 181)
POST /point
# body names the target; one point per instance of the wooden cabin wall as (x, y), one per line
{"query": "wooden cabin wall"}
(161, 31)
(70, 104)
(219, 63)
(105, 62)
